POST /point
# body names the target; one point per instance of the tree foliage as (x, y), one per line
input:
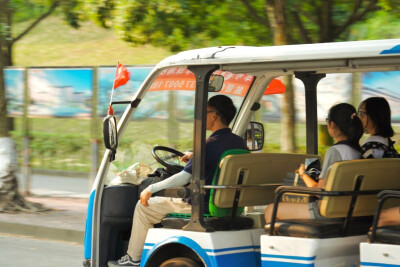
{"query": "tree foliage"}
(185, 24)
(312, 21)
(179, 25)
(383, 25)
(33, 11)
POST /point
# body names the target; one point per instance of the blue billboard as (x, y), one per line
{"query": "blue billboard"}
(60, 92)
(385, 84)
(14, 85)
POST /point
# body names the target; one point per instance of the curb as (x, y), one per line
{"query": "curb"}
(66, 235)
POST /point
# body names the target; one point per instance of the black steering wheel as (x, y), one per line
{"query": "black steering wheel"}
(168, 159)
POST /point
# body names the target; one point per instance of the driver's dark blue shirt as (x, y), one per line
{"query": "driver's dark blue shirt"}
(216, 144)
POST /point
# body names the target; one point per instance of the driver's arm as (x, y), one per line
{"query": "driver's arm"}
(177, 180)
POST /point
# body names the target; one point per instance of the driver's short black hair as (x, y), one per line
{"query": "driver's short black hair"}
(224, 107)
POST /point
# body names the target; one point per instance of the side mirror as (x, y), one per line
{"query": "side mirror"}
(215, 83)
(110, 134)
(254, 136)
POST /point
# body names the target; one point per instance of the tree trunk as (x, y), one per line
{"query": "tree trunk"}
(8, 55)
(288, 133)
(3, 51)
(10, 198)
(276, 15)
(3, 108)
(325, 21)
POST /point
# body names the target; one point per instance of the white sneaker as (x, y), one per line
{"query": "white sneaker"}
(124, 261)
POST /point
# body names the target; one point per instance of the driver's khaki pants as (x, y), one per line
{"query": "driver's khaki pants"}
(144, 218)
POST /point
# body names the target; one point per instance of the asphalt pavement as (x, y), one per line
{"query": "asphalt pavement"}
(66, 200)
(17, 251)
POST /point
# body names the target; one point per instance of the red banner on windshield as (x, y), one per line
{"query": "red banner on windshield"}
(235, 84)
(183, 79)
(174, 79)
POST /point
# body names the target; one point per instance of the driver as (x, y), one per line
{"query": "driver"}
(220, 112)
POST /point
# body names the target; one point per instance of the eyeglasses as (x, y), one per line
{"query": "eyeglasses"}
(361, 113)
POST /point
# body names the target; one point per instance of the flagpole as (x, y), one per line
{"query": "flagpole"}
(112, 89)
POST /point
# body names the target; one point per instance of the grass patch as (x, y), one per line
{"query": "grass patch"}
(54, 43)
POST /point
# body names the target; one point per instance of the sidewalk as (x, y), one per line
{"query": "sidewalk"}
(65, 220)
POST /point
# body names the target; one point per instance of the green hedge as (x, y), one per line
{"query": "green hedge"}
(56, 151)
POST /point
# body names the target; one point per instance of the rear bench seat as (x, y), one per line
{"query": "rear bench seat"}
(385, 234)
(382, 248)
(257, 174)
(348, 199)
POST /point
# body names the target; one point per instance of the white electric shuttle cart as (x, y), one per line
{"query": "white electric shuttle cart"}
(169, 111)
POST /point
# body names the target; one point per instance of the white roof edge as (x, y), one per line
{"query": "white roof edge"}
(251, 54)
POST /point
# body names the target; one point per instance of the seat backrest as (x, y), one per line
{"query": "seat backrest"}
(376, 174)
(223, 211)
(256, 168)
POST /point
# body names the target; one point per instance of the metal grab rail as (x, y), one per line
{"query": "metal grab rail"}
(316, 192)
(184, 192)
(239, 187)
(382, 197)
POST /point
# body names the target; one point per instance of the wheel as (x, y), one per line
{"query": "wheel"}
(181, 262)
(168, 160)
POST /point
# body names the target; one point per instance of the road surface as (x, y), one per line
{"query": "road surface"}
(16, 250)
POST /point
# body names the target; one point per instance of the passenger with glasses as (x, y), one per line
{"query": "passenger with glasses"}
(375, 115)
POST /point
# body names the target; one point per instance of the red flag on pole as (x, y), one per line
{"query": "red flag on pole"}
(122, 76)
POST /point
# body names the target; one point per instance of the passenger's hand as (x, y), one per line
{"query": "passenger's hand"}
(185, 158)
(145, 196)
(302, 169)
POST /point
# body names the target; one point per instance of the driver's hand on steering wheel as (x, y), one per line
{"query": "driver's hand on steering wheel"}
(144, 197)
(185, 158)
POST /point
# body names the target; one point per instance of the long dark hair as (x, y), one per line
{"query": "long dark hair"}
(345, 117)
(378, 110)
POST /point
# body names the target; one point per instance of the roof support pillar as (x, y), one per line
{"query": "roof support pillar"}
(202, 74)
(310, 81)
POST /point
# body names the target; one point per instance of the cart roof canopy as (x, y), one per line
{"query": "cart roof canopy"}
(325, 57)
